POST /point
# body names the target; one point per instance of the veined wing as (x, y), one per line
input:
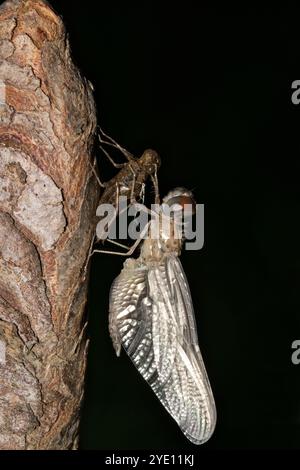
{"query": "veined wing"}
(152, 317)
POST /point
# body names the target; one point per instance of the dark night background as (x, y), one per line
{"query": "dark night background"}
(211, 92)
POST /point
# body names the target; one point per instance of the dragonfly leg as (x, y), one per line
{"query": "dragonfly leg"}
(102, 185)
(117, 196)
(114, 144)
(132, 196)
(118, 211)
(142, 193)
(155, 185)
(118, 244)
(104, 232)
(84, 270)
(131, 250)
(116, 165)
(93, 241)
(91, 252)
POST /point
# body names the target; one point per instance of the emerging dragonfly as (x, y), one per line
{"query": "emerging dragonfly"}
(151, 315)
(130, 180)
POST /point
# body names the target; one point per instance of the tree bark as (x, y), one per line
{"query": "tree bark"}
(48, 199)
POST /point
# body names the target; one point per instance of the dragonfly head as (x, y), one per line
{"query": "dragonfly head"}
(179, 200)
(167, 232)
(176, 210)
(150, 161)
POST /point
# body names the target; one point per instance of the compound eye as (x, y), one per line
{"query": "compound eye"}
(182, 203)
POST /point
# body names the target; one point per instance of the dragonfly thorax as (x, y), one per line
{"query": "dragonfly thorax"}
(164, 238)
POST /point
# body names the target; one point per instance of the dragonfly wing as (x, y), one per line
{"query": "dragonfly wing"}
(151, 316)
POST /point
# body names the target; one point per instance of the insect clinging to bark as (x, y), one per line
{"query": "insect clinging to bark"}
(130, 182)
(151, 316)
(131, 179)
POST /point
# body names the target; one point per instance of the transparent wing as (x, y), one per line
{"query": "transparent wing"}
(152, 317)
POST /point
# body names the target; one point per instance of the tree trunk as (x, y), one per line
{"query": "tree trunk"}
(48, 199)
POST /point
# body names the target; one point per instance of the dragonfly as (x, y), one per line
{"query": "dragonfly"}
(151, 317)
(129, 182)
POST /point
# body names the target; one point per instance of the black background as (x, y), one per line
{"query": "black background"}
(210, 90)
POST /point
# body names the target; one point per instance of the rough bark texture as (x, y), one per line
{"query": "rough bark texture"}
(47, 207)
